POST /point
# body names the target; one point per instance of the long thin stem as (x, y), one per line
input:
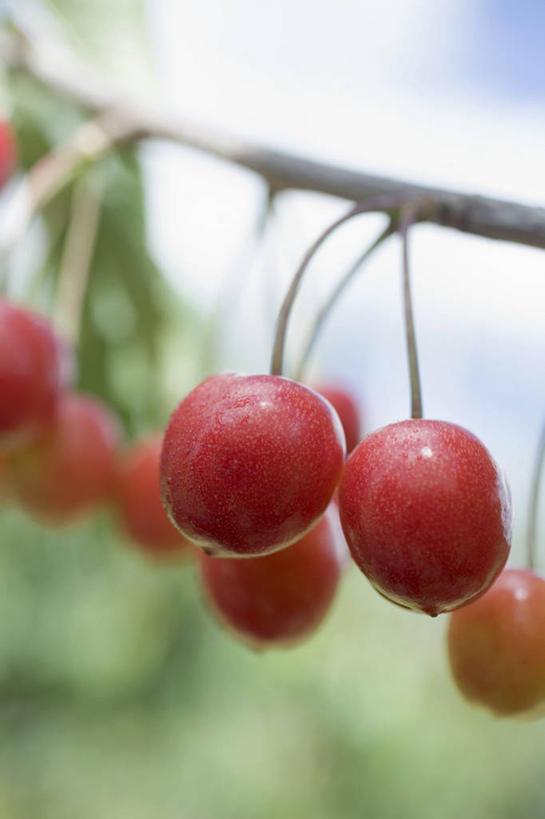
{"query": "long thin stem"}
(383, 203)
(533, 503)
(76, 259)
(408, 218)
(339, 289)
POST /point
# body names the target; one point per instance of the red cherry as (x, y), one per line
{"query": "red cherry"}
(31, 373)
(139, 502)
(496, 646)
(72, 465)
(8, 152)
(347, 409)
(279, 599)
(249, 463)
(426, 514)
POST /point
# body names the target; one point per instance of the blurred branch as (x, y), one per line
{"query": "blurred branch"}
(77, 258)
(52, 63)
(91, 141)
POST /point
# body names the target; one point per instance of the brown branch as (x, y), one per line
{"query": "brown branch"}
(59, 69)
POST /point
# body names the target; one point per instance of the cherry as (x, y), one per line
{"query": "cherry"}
(139, 502)
(32, 368)
(71, 465)
(249, 463)
(426, 514)
(347, 409)
(278, 599)
(8, 152)
(496, 646)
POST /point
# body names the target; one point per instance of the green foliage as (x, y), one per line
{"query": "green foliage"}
(129, 313)
(119, 696)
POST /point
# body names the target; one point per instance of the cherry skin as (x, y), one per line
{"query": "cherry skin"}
(281, 598)
(426, 514)
(139, 504)
(72, 465)
(249, 463)
(8, 152)
(31, 373)
(347, 409)
(496, 646)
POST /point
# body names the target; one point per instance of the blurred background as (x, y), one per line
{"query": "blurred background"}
(119, 696)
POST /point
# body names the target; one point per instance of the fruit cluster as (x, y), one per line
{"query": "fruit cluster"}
(249, 468)
(250, 464)
(251, 476)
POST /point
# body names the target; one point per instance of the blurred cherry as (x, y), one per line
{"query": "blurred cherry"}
(72, 465)
(32, 369)
(278, 599)
(496, 646)
(8, 152)
(141, 510)
(347, 409)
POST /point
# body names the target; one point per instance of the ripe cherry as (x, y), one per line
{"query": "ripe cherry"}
(426, 514)
(139, 502)
(496, 646)
(278, 599)
(346, 407)
(8, 152)
(31, 373)
(249, 463)
(72, 465)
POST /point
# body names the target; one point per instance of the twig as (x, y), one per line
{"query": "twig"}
(76, 259)
(53, 64)
(54, 170)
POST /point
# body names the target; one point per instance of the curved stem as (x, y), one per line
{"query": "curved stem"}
(382, 203)
(533, 504)
(409, 217)
(335, 295)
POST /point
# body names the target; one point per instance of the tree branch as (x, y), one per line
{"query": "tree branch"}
(54, 65)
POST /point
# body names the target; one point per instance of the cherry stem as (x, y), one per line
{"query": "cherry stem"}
(382, 203)
(533, 504)
(336, 294)
(408, 218)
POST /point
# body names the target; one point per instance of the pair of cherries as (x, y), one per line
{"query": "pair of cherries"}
(250, 463)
